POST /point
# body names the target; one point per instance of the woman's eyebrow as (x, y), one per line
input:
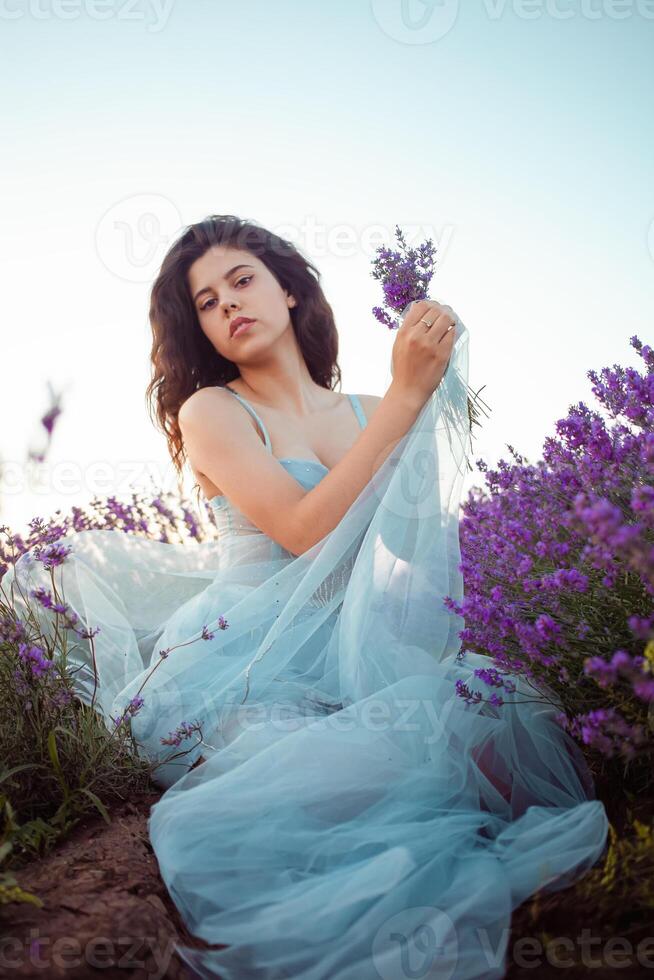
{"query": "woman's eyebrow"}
(207, 289)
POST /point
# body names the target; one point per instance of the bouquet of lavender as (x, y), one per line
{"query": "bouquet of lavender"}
(405, 276)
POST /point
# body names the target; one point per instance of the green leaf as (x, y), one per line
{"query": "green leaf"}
(98, 802)
(54, 758)
(26, 765)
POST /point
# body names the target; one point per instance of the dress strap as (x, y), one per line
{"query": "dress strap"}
(252, 412)
(354, 401)
(358, 411)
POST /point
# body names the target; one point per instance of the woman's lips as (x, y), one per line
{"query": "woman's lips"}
(242, 327)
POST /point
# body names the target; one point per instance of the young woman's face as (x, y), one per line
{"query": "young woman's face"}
(228, 282)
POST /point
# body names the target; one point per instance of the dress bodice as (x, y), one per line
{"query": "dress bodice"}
(231, 522)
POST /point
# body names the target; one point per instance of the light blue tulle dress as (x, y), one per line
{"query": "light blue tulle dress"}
(354, 819)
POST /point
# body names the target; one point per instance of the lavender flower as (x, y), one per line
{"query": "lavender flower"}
(52, 555)
(47, 423)
(183, 731)
(134, 706)
(34, 657)
(558, 566)
(405, 278)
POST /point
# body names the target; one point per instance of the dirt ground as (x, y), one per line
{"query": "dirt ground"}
(106, 913)
(104, 906)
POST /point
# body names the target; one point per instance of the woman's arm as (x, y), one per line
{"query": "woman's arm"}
(321, 509)
(222, 443)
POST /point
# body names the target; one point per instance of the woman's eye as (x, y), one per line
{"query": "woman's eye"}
(206, 305)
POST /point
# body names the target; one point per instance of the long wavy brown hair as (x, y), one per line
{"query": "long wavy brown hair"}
(184, 360)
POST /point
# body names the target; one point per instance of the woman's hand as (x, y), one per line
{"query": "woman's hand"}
(421, 353)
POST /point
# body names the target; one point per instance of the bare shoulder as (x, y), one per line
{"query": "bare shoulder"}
(206, 419)
(207, 413)
(369, 403)
(202, 401)
(222, 444)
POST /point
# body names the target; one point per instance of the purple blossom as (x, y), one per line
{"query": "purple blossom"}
(641, 626)
(644, 688)
(135, 705)
(34, 657)
(607, 672)
(557, 559)
(405, 276)
(463, 691)
(12, 630)
(606, 730)
(492, 677)
(58, 697)
(53, 554)
(183, 731)
(155, 519)
(208, 634)
(45, 598)
(20, 684)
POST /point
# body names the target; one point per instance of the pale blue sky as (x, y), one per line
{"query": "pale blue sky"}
(517, 135)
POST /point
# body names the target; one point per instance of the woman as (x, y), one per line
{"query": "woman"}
(347, 815)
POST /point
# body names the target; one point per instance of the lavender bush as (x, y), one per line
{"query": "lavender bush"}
(162, 516)
(558, 565)
(60, 756)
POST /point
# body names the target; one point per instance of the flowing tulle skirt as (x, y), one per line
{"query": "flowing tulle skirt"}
(391, 838)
